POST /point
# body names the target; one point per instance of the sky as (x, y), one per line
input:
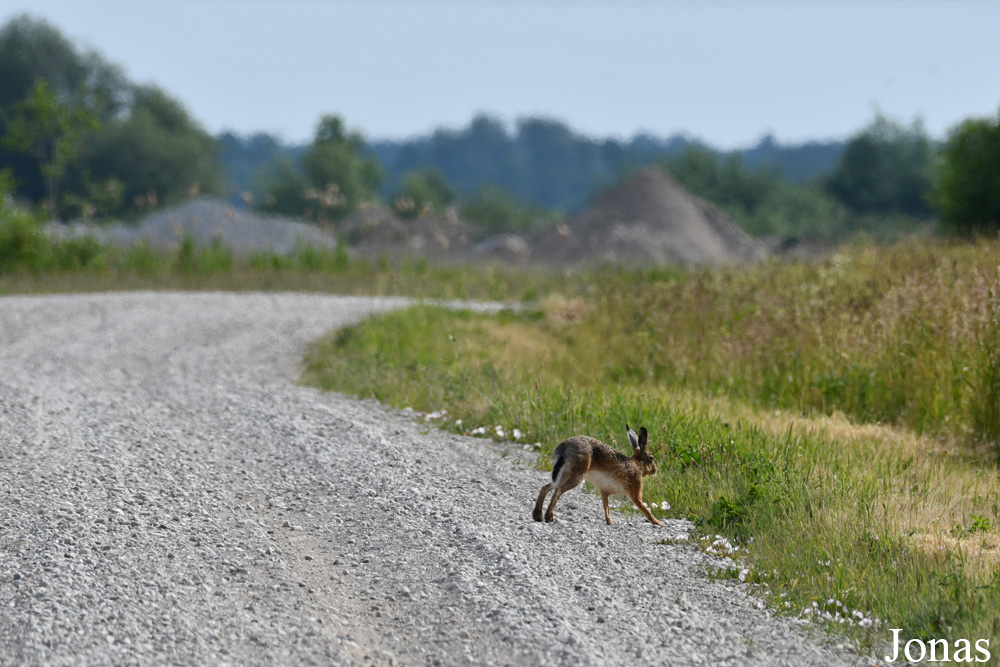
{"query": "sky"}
(725, 72)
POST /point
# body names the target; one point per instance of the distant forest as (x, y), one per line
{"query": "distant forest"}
(540, 161)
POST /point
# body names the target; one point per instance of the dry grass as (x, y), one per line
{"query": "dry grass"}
(945, 481)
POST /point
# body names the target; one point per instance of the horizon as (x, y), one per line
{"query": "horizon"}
(728, 75)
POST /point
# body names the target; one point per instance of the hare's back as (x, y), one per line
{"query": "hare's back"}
(578, 445)
(591, 452)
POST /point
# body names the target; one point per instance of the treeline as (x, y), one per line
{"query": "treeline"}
(78, 139)
(883, 181)
(881, 184)
(541, 162)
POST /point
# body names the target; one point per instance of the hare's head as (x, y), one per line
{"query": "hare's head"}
(639, 453)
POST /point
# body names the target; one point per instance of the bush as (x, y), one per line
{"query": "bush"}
(966, 191)
(22, 242)
(493, 209)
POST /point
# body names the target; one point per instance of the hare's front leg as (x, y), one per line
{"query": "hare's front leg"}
(637, 501)
(607, 512)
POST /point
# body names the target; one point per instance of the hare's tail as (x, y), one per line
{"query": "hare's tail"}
(557, 466)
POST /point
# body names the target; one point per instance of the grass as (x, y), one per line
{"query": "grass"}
(31, 263)
(836, 420)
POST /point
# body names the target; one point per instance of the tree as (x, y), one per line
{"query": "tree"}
(284, 188)
(33, 50)
(967, 191)
(886, 168)
(157, 151)
(559, 163)
(51, 132)
(248, 160)
(337, 176)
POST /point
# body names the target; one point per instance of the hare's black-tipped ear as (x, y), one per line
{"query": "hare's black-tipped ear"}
(643, 436)
(633, 439)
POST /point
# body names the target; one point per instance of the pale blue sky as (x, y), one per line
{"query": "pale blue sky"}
(725, 72)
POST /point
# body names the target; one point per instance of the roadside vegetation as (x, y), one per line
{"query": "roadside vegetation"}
(837, 422)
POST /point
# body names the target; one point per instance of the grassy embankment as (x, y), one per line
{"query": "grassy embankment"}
(840, 420)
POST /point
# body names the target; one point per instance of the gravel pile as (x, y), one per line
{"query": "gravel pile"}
(170, 495)
(206, 221)
(649, 219)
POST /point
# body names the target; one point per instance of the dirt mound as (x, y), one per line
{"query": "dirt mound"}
(373, 230)
(206, 221)
(649, 218)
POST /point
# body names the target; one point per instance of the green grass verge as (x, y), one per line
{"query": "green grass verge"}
(829, 517)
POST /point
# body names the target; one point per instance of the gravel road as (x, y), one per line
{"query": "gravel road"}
(170, 495)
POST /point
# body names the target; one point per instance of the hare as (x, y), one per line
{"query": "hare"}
(609, 470)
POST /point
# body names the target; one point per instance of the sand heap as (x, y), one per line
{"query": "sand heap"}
(649, 218)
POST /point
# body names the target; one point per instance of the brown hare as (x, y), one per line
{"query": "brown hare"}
(609, 470)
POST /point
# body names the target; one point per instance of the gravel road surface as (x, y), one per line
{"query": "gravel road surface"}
(170, 495)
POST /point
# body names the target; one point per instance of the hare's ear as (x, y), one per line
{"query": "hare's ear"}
(633, 439)
(643, 437)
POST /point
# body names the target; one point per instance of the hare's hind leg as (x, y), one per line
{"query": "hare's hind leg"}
(565, 484)
(536, 514)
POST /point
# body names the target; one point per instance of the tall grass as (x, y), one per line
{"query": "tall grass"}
(905, 335)
(787, 402)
